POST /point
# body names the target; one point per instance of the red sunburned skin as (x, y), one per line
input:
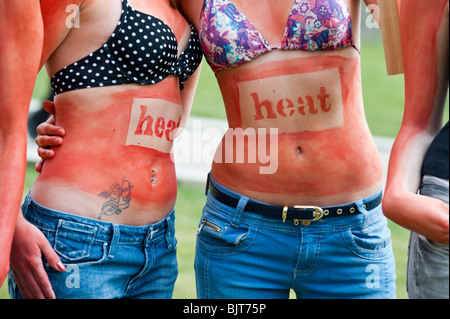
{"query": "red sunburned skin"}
(20, 50)
(326, 154)
(426, 79)
(425, 47)
(55, 20)
(97, 153)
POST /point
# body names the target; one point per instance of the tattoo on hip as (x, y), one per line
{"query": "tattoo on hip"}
(118, 198)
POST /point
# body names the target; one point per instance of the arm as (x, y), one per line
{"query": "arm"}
(425, 56)
(29, 244)
(20, 52)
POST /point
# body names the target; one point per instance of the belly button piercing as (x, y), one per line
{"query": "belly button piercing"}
(153, 178)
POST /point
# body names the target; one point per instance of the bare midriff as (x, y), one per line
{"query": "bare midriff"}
(115, 164)
(324, 153)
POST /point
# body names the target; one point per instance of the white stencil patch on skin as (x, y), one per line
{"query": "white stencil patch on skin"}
(153, 124)
(306, 101)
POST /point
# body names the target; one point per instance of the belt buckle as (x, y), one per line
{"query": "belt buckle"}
(318, 214)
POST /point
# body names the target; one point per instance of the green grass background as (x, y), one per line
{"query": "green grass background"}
(383, 98)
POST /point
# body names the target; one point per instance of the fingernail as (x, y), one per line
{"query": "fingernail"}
(60, 266)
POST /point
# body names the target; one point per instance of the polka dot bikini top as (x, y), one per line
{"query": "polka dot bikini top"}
(142, 49)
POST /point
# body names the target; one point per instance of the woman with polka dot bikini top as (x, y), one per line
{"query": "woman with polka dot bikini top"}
(124, 74)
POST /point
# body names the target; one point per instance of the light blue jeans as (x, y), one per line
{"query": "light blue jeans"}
(428, 261)
(242, 255)
(105, 260)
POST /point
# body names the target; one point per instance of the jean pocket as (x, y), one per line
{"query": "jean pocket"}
(75, 242)
(432, 246)
(371, 242)
(218, 236)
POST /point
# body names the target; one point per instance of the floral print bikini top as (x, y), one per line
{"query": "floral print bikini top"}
(229, 39)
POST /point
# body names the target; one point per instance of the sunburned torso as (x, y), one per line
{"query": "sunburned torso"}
(115, 164)
(322, 152)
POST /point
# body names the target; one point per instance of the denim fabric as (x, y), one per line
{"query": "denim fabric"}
(105, 260)
(242, 255)
(428, 262)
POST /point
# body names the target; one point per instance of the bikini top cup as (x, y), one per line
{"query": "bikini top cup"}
(142, 49)
(229, 39)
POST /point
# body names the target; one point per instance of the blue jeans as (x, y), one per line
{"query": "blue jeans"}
(428, 261)
(105, 260)
(242, 255)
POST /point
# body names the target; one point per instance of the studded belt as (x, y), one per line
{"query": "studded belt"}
(304, 214)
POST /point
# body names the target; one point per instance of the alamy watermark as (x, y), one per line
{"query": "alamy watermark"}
(202, 144)
(73, 17)
(372, 19)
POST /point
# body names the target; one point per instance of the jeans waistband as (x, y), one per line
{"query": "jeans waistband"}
(240, 214)
(49, 219)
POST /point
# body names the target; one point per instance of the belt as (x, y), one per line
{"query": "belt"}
(304, 214)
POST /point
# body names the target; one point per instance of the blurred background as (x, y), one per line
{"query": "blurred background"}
(383, 99)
